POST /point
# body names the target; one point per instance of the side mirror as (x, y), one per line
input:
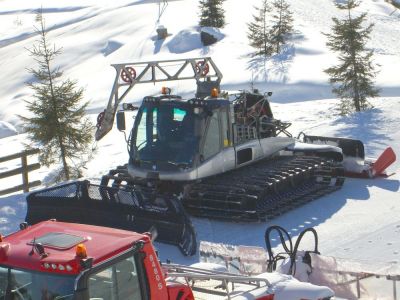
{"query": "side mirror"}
(152, 233)
(269, 94)
(121, 121)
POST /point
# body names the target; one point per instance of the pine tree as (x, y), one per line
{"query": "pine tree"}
(59, 124)
(282, 25)
(258, 31)
(212, 13)
(352, 78)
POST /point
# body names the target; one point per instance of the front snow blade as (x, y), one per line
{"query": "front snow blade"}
(350, 147)
(83, 202)
(384, 161)
(377, 168)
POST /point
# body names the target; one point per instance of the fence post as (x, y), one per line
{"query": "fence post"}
(25, 181)
(23, 170)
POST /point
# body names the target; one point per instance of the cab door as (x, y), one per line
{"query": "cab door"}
(228, 150)
(217, 154)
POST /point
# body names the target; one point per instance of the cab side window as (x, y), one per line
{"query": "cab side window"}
(119, 281)
(212, 142)
(226, 139)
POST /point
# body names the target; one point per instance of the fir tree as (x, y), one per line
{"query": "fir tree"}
(212, 13)
(352, 78)
(282, 24)
(258, 31)
(58, 124)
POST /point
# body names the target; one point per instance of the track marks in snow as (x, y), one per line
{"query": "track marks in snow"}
(26, 35)
(46, 10)
(385, 241)
(110, 47)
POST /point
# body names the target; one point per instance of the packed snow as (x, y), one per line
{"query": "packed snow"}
(361, 221)
(6, 129)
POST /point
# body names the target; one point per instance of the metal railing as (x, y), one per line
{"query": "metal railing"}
(211, 282)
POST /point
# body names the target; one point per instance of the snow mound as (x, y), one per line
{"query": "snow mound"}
(185, 41)
(6, 130)
(189, 39)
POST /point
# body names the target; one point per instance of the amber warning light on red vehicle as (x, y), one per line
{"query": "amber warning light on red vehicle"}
(81, 251)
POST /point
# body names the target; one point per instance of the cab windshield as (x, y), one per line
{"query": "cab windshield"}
(29, 285)
(165, 133)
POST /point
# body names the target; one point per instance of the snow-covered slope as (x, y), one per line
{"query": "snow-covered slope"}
(94, 34)
(359, 221)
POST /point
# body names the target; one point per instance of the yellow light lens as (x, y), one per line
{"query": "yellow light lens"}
(165, 90)
(214, 93)
(81, 251)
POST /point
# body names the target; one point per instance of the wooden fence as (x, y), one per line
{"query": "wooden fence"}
(23, 170)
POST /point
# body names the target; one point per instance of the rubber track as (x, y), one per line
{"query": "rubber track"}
(264, 190)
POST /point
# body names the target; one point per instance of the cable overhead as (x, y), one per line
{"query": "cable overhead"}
(161, 9)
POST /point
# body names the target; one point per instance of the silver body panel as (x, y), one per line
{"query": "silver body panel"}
(272, 145)
(300, 146)
(183, 175)
(224, 161)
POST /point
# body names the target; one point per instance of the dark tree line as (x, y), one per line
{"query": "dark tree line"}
(271, 27)
(211, 13)
(352, 79)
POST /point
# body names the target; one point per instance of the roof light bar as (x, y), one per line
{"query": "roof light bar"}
(49, 266)
(197, 102)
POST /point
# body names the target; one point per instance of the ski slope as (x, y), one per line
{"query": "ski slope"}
(361, 221)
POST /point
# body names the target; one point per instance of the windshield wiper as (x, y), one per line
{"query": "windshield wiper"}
(63, 297)
(176, 164)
